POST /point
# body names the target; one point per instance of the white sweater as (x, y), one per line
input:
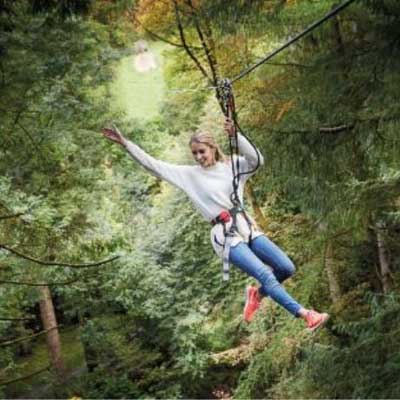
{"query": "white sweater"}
(208, 188)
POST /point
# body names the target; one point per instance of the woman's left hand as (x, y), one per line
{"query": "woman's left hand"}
(229, 127)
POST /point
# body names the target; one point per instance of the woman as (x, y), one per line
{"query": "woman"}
(209, 187)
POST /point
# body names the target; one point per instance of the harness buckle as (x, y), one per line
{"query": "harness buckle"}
(222, 218)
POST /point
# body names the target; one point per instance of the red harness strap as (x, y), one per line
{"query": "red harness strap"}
(223, 218)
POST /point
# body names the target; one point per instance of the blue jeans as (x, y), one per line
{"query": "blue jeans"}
(251, 259)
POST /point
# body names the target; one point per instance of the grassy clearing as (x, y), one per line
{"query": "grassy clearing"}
(137, 94)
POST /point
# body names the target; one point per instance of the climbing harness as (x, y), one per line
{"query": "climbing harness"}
(224, 218)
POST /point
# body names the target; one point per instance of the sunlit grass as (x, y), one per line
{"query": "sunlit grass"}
(139, 94)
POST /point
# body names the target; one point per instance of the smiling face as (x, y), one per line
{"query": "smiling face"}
(203, 154)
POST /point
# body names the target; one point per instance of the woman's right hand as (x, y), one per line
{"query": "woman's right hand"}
(114, 135)
(229, 127)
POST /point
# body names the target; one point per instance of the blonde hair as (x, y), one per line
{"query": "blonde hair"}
(206, 138)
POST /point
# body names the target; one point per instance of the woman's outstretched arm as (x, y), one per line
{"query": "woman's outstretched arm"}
(177, 175)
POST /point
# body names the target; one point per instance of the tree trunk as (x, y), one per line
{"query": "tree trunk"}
(385, 274)
(259, 215)
(334, 287)
(49, 321)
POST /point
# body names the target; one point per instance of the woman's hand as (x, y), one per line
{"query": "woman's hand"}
(114, 135)
(229, 127)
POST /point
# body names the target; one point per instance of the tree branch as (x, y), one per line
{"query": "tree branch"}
(26, 376)
(210, 57)
(54, 263)
(329, 130)
(295, 131)
(30, 138)
(16, 319)
(29, 337)
(338, 234)
(21, 283)
(288, 64)
(65, 283)
(186, 47)
(158, 37)
(10, 216)
(337, 129)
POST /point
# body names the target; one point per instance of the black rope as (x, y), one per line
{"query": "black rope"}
(227, 100)
(254, 147)
(313, 26)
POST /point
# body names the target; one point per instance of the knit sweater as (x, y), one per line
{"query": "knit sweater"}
(208, 188)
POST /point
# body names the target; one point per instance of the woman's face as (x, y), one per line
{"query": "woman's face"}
(203, 154)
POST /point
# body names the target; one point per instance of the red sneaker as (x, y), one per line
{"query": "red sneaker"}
(315, 320)
(253, 301)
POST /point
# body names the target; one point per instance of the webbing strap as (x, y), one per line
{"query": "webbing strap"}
(227, 250)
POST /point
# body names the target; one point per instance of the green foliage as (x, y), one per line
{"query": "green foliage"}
(362, 363)
(121, 363)
(64, 8)
(325, 114)
(101, 386)
(191, 346)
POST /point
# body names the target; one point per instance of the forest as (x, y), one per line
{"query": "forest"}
(109, 287)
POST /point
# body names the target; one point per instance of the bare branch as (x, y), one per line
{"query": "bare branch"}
(2, 217)
(339, 234)
(288, 64)
(21, 110)
(294, 131)
(64, 283)
(186, 47)
(30, 137)
(210, 57)
(29, 337)
(158, 37)
(329, 130)
(26, 376)
(337, 129)
(21, 283)
(54, 263)
(16, 319)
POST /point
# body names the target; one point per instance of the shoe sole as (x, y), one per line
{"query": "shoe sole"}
(323, 321)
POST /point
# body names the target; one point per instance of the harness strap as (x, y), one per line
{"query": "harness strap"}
(223, 218)
(225, 261)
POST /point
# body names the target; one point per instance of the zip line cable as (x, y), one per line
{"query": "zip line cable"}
(313, 26)
(303, 33)
(300, 35)
(225, 97)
